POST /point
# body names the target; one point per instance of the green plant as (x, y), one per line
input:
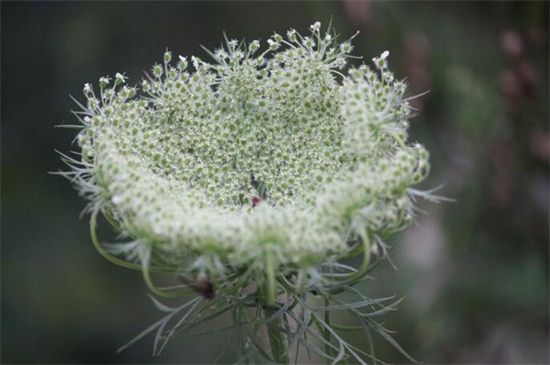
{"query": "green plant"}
(252, 179)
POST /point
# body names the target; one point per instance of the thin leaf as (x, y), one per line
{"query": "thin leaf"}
(386, 336)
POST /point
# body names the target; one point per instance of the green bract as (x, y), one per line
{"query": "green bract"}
(266, 165)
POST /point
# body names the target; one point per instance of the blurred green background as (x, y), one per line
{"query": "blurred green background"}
(475, 272)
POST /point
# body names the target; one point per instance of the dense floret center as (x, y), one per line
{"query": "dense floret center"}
(256, 133)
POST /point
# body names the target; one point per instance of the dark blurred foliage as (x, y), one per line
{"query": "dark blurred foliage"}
(475, 271)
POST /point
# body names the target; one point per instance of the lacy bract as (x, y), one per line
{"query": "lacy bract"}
(217, 165)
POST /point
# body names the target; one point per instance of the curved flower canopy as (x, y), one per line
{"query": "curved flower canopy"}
(267, 166)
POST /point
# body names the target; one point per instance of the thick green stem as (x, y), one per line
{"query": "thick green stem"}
(277, 338)
(271, 290)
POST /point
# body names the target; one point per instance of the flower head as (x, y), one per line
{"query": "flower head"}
(263, 167)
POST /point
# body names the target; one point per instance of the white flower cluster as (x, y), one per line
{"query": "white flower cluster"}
(274, 151)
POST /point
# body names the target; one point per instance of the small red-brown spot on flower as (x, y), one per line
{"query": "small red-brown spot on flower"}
(255, 201)
(205, 288)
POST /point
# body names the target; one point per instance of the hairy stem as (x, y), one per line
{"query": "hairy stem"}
(277, 338)
(271, 291)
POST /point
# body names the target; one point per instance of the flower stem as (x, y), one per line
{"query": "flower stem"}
(271, 291)
(277, 338)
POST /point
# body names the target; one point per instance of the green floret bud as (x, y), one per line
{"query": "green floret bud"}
(167, 57)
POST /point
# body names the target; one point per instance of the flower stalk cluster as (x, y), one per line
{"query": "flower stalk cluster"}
(253, 176)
